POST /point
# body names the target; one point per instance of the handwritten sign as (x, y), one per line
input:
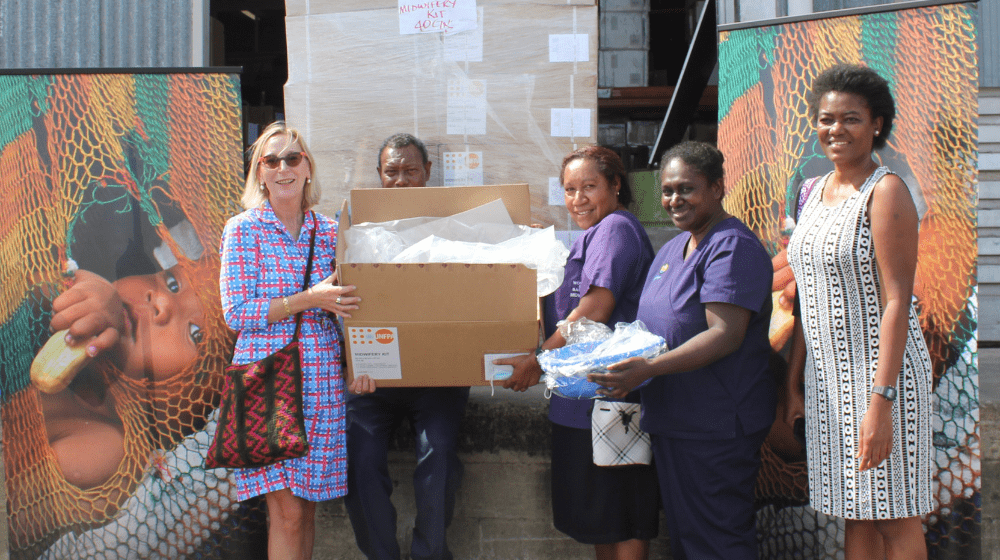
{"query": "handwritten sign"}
(436, 16)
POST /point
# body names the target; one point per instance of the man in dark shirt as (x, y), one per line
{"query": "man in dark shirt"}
(372, 419)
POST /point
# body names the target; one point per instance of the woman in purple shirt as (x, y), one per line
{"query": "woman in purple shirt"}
(711, 400)
(615, 509)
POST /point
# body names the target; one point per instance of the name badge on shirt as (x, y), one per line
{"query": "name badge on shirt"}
(660, 273)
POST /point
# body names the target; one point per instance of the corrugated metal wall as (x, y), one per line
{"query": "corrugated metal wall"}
(989, 213)
(989, 43)
(102, 33)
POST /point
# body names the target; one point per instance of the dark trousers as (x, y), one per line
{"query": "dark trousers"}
(707, 487)
(371, 420)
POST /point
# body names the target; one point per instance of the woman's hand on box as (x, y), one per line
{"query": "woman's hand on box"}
(526, 374)
(327, 295)
(362, 385)
(622, 377)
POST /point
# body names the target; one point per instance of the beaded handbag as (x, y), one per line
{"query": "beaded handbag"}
(261, 419)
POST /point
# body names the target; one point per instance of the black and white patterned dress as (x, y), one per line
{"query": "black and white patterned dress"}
(836, 272)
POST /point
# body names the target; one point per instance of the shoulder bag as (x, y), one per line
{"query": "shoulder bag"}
(802, 195)
(261, 419)
(616, 437)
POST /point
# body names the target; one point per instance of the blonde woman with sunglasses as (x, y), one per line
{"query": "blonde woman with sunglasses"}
(264, 253)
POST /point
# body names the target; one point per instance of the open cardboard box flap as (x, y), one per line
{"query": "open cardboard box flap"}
(383, 205)
(422, 325)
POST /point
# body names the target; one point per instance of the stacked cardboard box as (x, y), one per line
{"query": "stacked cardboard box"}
(624, 52)
(499, 104)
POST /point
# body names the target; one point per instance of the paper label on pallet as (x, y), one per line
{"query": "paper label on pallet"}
(573, 123)
(556, 196)
(463, 169)
(466, 107)
(466, 46)
(375, 352)
(569, 47)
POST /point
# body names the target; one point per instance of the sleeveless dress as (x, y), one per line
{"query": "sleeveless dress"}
(836, 271)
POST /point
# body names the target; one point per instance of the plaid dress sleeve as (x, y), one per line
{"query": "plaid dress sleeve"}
(242, 307)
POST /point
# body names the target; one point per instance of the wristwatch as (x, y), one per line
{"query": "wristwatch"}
(886, 391)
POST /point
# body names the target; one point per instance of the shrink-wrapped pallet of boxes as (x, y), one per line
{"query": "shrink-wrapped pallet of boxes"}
(501, 102)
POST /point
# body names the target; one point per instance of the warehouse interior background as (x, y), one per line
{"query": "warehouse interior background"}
(631, 105)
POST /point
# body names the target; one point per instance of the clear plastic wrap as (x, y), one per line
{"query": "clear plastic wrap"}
(583, 330)
(591, 349)
(483, 235)
(499, 104)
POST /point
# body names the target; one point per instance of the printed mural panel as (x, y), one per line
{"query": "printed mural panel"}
(928, 55)
(116, 188)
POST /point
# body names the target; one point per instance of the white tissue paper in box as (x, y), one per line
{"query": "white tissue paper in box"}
(592, 350)
(484, 234)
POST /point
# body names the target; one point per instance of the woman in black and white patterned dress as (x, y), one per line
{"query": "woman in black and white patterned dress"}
(867, 370)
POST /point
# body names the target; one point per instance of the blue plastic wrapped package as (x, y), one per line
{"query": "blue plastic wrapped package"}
(592, 350)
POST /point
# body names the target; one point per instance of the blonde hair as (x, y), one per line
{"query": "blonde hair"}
(253, 195)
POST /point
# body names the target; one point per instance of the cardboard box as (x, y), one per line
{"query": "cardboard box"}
(624, 30)
(611, 134)
(624, 68)
(624, 5)
(432, 325)
(643, 133)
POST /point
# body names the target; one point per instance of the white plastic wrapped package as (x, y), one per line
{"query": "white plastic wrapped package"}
(483, 235)
(566, 368)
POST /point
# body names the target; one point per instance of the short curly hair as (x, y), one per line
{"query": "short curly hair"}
(609, 164)
(402, 140)
(706, 158)
(861, 81)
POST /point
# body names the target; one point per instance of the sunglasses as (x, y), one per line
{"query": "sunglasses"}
(273, 162)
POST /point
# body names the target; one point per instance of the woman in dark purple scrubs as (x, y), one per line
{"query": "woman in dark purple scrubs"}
(711, 398)
(614, 508)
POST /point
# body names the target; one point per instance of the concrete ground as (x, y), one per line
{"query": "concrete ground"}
(503, 509)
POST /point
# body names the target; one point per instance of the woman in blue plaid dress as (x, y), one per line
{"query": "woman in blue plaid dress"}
(264, 253)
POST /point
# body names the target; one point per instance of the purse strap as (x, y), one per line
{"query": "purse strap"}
(803, 195)
(305, 282)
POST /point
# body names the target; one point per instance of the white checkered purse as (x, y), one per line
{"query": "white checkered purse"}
(617, 439)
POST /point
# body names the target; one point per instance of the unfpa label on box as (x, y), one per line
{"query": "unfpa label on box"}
(375, 352)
